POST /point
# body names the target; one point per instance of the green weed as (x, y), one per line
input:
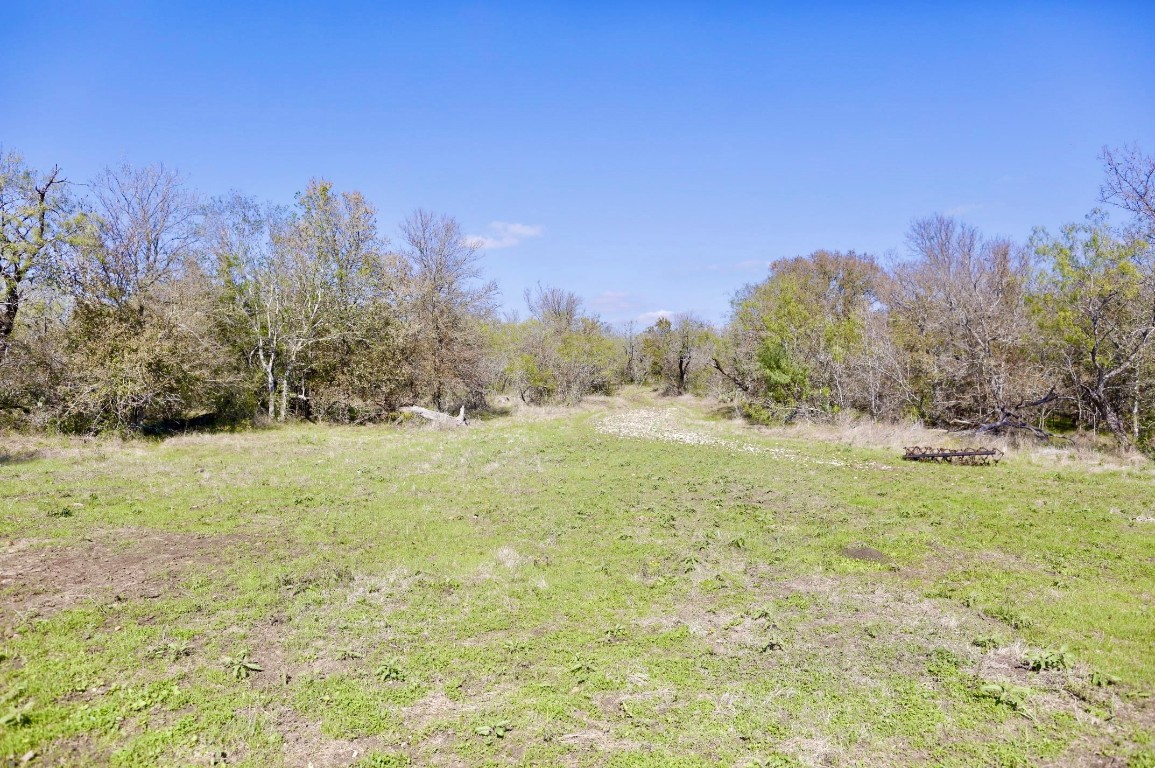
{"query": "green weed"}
(241, 666)
(1046, 660)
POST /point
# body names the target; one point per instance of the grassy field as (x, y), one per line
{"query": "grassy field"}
(629, 584)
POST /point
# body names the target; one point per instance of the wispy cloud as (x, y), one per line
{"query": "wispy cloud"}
(504, 234)
(648, 318)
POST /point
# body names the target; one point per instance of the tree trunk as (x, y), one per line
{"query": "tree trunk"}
(8, 316)
(267, 365)
(271, 384)
(683, 368)
(284, 396)
(1112, 419)
(1135, 413)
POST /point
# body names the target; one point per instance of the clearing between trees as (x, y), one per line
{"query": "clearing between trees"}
(629, 583)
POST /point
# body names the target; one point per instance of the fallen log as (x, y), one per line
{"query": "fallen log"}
(437, 417)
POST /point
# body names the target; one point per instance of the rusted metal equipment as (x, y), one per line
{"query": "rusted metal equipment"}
(971, 456)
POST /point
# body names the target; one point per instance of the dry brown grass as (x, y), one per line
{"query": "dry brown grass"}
(1081, 449)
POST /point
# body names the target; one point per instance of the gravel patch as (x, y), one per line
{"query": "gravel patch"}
(663, 425)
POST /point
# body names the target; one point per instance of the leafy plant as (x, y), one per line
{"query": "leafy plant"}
(582, 670)
(494, 731)
(1103, 679)
(986, 642)
(1046, 660)
(240, 667)
(1006, 694)
(390, 672)
(16, 717)
(177, 649)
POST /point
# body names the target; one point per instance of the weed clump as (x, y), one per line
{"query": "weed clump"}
(492, 731)
(390, 672)
(1047, 660)
(1007, 695)
(241, 666)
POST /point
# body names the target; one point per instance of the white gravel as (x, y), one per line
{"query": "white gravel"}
(664, 426)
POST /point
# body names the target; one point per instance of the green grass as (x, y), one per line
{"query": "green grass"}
(537, 592)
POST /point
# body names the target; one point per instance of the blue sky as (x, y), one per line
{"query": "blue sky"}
(648, 156)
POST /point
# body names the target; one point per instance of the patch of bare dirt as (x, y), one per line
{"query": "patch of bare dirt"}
(306, 747)
(81, 749)
(867, 554)
(867, 632)
(436, 708)
(41, 578)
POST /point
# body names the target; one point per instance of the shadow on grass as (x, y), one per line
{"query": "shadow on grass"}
(17, 457)
(491, 413)
(204, 424)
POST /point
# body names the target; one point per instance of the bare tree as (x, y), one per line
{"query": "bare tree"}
(635, 363)
(141, 336)
(554, 306)
(959, 308)
(445, 299)
(37, 222)
(1130, 183)
(147, 224)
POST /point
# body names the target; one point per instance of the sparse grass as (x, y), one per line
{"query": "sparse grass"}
(534, 591)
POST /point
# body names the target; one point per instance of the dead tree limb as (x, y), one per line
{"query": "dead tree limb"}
(436, 416)
(736, 381)
(1009, 418)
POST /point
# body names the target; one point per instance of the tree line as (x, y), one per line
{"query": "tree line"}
(130, 303)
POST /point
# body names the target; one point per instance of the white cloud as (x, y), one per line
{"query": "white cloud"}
(648, 318)
(504, 234)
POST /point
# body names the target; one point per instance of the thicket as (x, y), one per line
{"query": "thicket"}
(139, 306)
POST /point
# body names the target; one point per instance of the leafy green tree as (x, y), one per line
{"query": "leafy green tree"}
(798, 337)
(678, 350)
(1095, 310)
(560, 353)
(308, 299)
